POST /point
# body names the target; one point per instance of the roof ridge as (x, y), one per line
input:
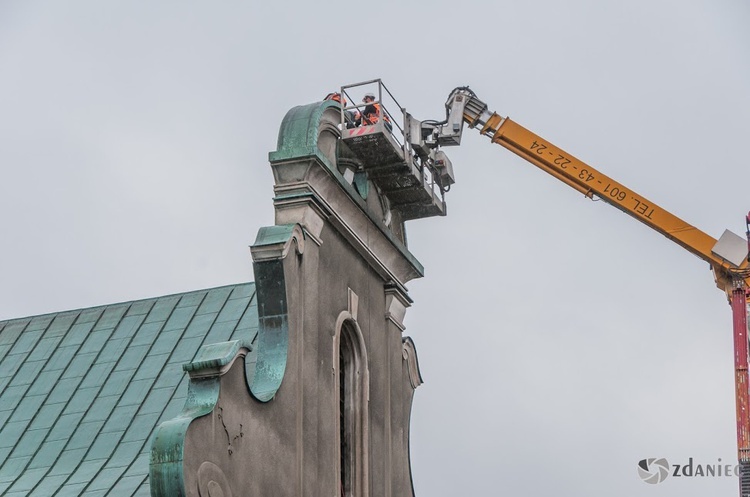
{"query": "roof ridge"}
(126, 302)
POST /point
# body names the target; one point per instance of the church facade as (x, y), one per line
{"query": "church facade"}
(300, 383)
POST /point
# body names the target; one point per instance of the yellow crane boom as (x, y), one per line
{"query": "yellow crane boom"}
(593, 183)
(728, 257)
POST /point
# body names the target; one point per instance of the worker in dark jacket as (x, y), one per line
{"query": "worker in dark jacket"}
(371, 114)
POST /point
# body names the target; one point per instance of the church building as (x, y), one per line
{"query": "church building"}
(300, 383)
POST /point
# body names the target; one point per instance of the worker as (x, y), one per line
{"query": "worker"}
(371, 113)
(336, 96)
(349, 116)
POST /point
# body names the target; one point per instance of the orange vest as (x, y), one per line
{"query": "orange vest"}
(373, 117)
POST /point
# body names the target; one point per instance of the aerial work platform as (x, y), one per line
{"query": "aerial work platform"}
(410, 181)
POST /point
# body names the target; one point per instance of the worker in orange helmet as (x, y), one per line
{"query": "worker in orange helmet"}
(350, 116)
(336, 96)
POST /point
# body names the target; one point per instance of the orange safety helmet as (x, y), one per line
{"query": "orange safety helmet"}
(336, 96)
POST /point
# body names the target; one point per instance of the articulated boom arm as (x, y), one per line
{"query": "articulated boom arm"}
(464, 105)
(728, 257)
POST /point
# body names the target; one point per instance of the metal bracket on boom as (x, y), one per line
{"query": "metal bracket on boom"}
(426, 137)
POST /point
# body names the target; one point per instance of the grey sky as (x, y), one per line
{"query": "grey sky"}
(560, 341)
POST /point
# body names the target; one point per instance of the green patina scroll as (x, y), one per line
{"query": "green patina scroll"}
(270, 248)
(298, 134)
(166, 470)
(300, 139)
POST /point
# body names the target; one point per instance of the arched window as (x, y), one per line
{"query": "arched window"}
(353, 411)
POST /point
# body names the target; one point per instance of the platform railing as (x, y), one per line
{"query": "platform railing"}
(389, 106)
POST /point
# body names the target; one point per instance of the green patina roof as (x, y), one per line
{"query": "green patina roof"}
(82, 392)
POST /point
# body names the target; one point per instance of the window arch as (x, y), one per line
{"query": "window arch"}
(352, 385)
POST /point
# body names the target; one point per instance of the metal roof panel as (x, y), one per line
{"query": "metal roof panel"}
(82, 391)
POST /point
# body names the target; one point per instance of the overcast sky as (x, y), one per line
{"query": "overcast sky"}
(560, 340)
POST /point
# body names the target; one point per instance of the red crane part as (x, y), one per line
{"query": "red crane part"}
(739, 322)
